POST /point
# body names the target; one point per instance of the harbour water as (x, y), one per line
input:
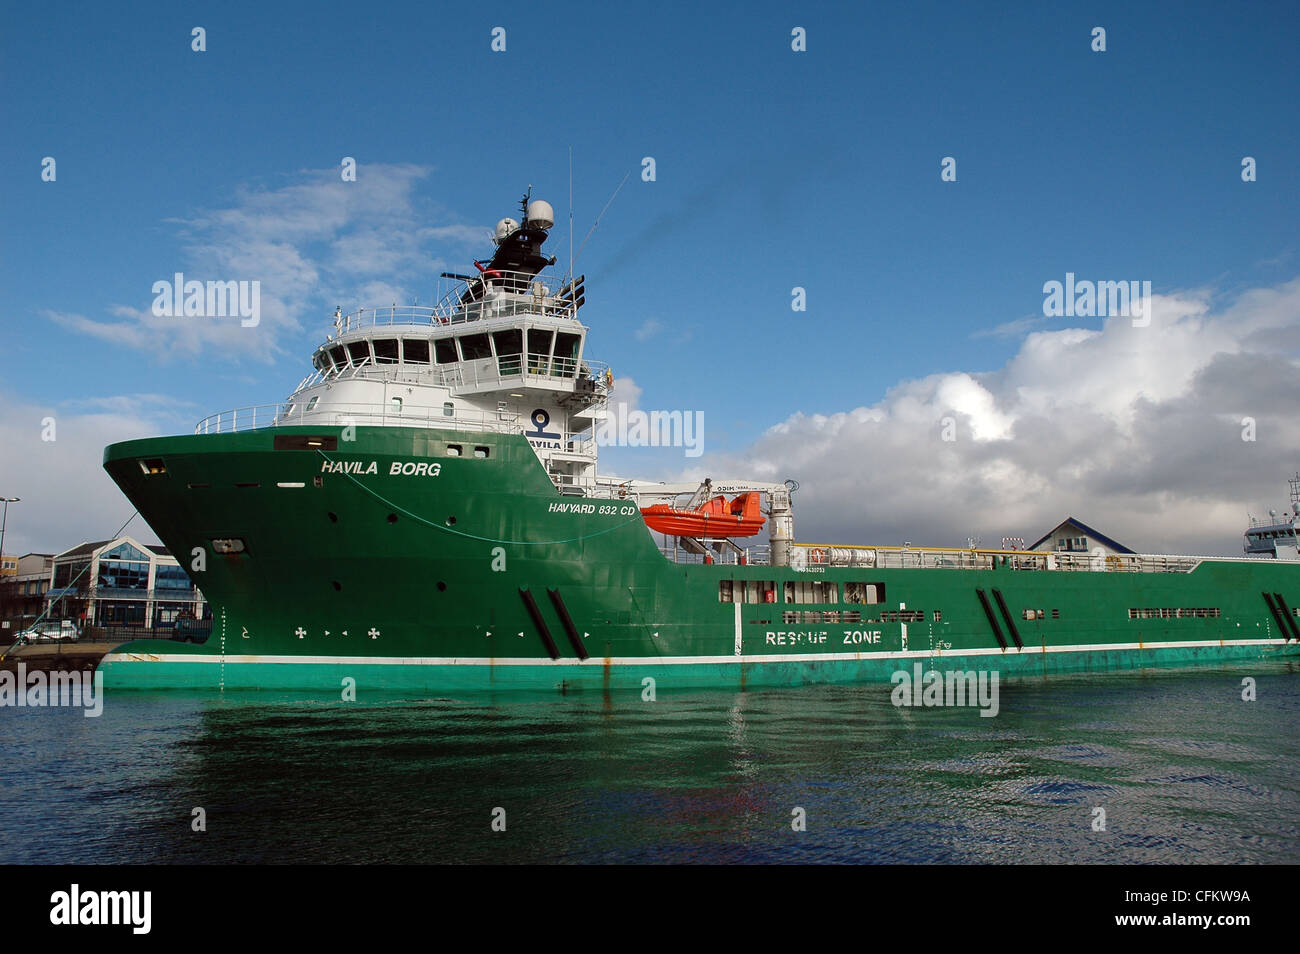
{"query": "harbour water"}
(1185, 770)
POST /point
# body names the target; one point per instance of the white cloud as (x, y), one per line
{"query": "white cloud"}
(1136, 431)
(649, 328)
(311, 244)
(66, 496)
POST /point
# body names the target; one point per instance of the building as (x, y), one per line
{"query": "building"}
(1075, 536)
(22, 591)
(122, 582)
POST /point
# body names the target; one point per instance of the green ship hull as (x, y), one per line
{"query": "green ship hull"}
(387, 562)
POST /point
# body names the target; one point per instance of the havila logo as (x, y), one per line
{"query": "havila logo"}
(936, 689)
(75, 907)
(194, 299)
(40, 689)
(1087, 299)
(625, 427)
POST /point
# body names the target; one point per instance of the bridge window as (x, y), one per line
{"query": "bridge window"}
(360, 352)
(566, 355)
(386, 351)
(415, 351)
(444, 349)
(510, 341)
(474, 347)
(539, 341)
(339, 356)
(539, 350)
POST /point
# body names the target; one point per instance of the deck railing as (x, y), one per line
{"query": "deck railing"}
(490, 295)
(506, 370)
(295, 414)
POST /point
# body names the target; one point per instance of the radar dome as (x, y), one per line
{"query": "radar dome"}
(505, 228)
(540, 214)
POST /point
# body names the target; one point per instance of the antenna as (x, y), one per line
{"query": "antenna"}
(602, 212)
(570, 212)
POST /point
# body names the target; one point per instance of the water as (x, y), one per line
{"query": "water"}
(1185, 770)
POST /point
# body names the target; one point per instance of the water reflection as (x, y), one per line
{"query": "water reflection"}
(1184, 769)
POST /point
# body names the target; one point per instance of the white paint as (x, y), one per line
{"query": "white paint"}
(668, 660)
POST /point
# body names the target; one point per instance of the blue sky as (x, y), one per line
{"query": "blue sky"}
(774, 169)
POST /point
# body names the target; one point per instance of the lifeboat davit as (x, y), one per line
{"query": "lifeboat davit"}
(717, 518)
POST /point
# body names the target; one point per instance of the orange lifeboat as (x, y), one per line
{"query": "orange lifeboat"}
(717, 518)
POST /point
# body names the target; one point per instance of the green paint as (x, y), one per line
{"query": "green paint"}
(408, 560)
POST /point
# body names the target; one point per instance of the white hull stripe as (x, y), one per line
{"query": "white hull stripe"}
(675, 660)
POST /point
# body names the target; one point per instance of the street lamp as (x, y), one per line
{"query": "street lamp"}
(5, 519)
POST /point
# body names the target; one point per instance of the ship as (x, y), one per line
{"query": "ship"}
(425, 513)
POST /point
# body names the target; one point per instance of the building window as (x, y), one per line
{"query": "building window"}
(170, 577)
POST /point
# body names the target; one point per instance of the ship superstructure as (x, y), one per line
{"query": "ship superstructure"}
(1280, 536)
(426, 512)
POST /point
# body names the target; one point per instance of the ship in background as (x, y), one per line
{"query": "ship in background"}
(425, 512)
(1277, 538)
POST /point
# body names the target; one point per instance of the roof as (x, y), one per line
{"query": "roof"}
(87, 549)
(84, 549)
(1113, 544)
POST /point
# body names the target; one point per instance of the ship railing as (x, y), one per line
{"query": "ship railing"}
(811, 555)
(497, 295)
(504, 370)
(295, 414)
(754, 555)
(449, 376)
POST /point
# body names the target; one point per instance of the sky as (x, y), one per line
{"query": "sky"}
(922, 394)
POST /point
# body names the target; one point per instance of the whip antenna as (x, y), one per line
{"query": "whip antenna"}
(598, 218)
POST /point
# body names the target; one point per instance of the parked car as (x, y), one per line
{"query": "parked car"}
(51, 630)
